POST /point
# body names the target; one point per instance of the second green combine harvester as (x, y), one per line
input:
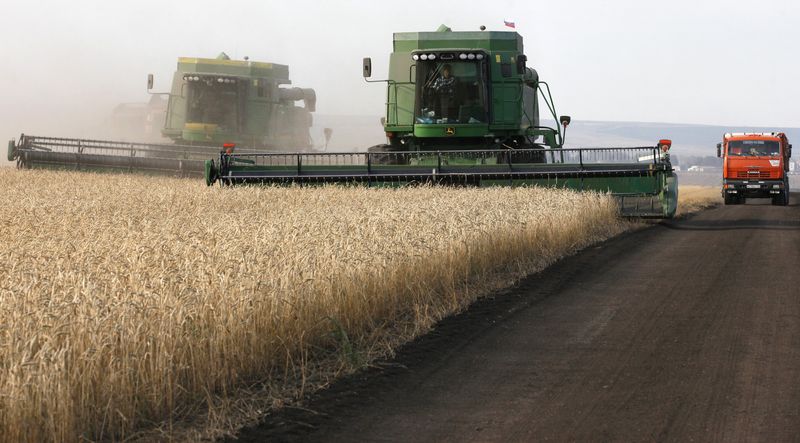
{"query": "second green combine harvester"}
(463, 109)
(211, 101)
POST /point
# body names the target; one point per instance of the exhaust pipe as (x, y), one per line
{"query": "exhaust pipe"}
(308, 96)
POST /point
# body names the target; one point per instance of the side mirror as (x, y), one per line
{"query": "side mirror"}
(789, 153)
(522, 59)
(719, 149)
(149, 81)
(367, 65)
(565, 120)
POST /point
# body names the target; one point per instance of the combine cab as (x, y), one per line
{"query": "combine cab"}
(463, 109)
(212, 101)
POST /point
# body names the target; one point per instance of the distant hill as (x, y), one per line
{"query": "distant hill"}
(359, 132)
(687, 139)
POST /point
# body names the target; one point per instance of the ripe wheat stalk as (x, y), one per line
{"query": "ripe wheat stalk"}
(132, 302)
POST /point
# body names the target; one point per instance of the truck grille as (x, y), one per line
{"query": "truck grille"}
(747, 174)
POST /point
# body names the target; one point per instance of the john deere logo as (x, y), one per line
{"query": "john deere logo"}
(450, 131)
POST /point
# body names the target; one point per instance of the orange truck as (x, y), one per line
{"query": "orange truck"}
(755, 165)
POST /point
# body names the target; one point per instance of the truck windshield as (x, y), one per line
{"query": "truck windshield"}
(754, 148)
(211, 102)
(451, 92)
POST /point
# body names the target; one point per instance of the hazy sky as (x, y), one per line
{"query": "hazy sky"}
(66, 64)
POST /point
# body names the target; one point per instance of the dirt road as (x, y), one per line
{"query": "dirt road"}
(687, 330)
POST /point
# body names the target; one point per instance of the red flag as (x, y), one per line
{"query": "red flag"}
(510, 24)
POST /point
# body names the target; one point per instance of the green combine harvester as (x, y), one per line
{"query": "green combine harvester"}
(463, 109)
(212, 101)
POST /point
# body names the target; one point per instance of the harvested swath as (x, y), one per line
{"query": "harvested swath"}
(129, 300)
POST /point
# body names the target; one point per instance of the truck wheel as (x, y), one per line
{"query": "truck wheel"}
(780, 200)
(733, 200)
(785, 197)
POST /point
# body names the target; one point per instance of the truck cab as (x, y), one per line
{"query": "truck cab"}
(755, 165)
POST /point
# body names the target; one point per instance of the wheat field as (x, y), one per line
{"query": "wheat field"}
(136, 303)
(693, 198)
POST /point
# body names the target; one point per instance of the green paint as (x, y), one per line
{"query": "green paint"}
(476, 107)
(213, 101)
(501, 96)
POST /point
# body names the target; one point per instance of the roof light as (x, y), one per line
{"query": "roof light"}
(479, 56)
(462, 56)
(471, 56)
(423, 57)
(415, 57)
(195, 78)
(431, 56)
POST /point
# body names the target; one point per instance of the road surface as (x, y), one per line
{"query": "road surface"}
(686, 330)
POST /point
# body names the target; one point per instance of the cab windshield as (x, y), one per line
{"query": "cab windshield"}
(753, 148)
(451, 92)
(212, 102)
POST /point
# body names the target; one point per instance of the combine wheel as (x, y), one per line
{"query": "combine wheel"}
(521, 157)
(383, 159)
(530, 157)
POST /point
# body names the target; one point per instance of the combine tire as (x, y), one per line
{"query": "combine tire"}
(383, 159)
(518, 157)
